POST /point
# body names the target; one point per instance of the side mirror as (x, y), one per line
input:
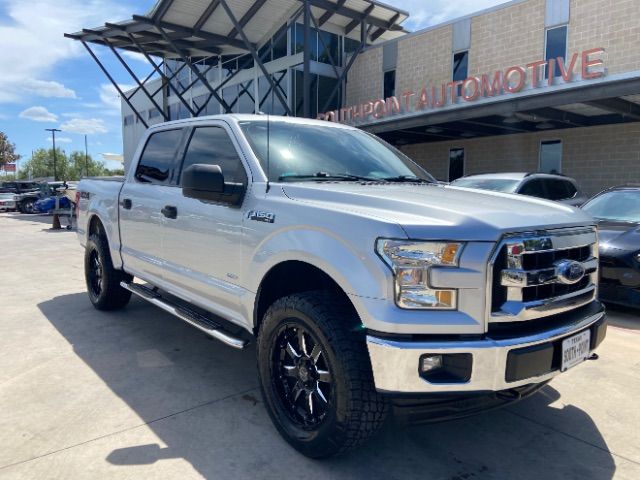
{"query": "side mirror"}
(206, 182)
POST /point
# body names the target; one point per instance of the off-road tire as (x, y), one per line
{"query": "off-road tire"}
(110, 295)
(355, 410)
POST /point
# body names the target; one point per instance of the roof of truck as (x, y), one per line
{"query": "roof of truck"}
(241, 117)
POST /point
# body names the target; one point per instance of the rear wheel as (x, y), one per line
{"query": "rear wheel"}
(103, 281)
(316, 376)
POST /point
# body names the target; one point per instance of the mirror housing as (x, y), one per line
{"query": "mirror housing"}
(206, 182)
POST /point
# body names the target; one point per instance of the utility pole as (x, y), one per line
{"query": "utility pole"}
(53, 135)
(86, 157)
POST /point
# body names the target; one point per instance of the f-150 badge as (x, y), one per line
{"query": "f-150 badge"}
(259, 216)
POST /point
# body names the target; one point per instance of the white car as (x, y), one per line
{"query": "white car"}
(540, 185)
(7, 202)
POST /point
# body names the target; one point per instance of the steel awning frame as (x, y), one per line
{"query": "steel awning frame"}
(154, 37)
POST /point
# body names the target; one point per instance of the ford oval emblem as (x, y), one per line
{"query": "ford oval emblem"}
(569, 272)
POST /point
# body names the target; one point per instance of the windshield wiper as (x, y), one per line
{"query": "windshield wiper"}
(406, 179)
(329, 176)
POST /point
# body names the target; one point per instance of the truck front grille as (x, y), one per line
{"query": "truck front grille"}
(539, 274)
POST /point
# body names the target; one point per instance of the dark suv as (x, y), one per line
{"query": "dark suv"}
(26, 194)
(542, 185)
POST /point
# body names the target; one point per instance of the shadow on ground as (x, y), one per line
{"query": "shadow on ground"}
(626, 317)
(200, 398)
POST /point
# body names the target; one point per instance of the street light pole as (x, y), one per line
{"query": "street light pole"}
(53, 135)
(86, 157)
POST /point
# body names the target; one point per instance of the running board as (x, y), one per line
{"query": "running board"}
(186, 314)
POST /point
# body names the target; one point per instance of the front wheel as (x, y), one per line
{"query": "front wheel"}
(27, 206)
(315, 374)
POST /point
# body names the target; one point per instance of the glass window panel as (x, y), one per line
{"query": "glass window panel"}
(325, 88)
(460, 66)
(246, 100)
(158, 161)
(456, 163)
(389, 83)
(329, 47)
(280, 46)
(556, 46)
(533, 188)
(551, 156)
(230, 95)
(212, 146)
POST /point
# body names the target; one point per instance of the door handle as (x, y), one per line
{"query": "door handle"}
(170, 211)
(126, 203)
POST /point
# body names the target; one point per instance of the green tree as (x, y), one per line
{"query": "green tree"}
(79, 166)
(41, 164)
(7, 150)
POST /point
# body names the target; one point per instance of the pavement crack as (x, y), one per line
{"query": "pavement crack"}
(111, 434)
(574, 437)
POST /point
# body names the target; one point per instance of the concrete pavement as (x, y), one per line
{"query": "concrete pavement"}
(139, 394)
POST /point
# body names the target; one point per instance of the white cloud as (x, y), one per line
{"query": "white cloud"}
(84, 126)
(47, 89)
(135, 56)
(60, 140)
(110, 96)
(424, 14)
(39, 114)
(33, 42)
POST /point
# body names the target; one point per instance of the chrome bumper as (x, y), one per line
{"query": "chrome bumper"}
(395, 364)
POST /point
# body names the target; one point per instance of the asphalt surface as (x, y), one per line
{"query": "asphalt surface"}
(139, 394)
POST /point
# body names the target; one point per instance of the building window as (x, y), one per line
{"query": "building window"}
(555, 46)
(128, 120)
(154, 113)
(456, 163)
(460, 66)
(389, 83)
(551, 156)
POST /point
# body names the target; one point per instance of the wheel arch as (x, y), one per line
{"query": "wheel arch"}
(289, 277)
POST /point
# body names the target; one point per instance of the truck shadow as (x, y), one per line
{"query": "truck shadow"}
(200, 398)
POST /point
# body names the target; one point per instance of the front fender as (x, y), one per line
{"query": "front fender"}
(354, 267)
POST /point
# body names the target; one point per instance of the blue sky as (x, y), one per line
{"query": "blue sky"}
(49, 81)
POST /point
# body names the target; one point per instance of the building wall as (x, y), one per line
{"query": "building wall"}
(611, 24)
(513, 35)
(597, 157)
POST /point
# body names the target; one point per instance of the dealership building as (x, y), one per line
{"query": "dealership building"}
(529, 85)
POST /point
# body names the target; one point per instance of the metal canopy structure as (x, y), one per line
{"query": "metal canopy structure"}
(190, 30)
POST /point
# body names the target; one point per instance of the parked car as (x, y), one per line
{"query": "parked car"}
(365, 284)
(542, 185)
(617, 211)
(25, 194)
(7, 202)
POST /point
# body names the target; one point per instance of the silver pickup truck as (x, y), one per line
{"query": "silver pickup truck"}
(368, 287)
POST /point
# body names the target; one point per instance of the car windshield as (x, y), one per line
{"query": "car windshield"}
(617, 205)
(302, 152)
(496, 184)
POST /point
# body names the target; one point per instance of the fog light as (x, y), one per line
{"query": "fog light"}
(430, 362)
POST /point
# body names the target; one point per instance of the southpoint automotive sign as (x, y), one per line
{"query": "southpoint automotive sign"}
(510, 81)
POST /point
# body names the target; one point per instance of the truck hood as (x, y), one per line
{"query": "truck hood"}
(429, 211)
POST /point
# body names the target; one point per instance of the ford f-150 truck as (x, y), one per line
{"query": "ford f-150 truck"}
(368, 287)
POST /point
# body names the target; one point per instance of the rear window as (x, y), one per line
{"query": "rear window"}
(559, 189)
(158, 161)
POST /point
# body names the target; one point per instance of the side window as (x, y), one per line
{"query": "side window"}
(158, 160)
(212, 146)
(533, 188)
(456, 163)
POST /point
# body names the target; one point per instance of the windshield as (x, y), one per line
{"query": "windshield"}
(618, 205)
(314, 152)
(504, 185)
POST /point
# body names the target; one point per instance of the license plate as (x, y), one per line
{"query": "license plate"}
(575, 350)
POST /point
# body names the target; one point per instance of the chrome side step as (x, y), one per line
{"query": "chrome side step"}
(201, 322)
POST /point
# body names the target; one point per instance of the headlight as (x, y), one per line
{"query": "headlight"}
(410, 263)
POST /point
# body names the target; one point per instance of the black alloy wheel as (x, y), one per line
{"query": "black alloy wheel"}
(304, 383)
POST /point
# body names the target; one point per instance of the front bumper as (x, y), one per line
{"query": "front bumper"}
(499, 361)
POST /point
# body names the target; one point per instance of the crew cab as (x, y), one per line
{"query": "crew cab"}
(367, 286)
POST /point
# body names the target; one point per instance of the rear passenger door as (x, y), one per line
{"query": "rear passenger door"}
(142, 200)
(202, 244)
(534, 188)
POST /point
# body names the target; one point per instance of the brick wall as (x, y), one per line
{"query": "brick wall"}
(611, 24)
(509, 36)
(365, 78)
(598, 157)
